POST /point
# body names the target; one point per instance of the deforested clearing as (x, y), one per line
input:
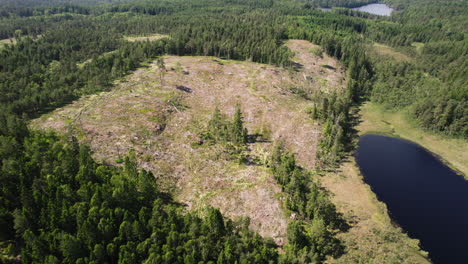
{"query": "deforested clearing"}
(160, 113)
(152, 37)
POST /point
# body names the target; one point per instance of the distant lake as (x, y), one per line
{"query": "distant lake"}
(376, 9)
(425, 197)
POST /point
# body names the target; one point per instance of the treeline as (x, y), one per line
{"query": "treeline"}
(442, 53)
(54, 3)
(311, 232)
(257, 35)
(31, 26)
(42, 73)
(332, 110)
(58, 206)
(39, 74)
(10, 12)
(434, 104)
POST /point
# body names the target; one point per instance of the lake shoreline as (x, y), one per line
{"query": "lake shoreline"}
(420, 191)
(373, 229)
(379, 9)
(375, 8)
(437, 156)
(450, 151)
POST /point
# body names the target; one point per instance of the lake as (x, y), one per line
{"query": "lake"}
(425, 197)
(376, 9)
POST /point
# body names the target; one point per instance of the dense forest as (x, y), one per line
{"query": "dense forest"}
(58, 205)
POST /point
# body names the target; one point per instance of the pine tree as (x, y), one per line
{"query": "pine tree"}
(216, 125)
(162, 68)
(238, 133)
(313, 114)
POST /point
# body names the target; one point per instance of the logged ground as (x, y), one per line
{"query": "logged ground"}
(152, 37)
(386, 52)
(161, 115)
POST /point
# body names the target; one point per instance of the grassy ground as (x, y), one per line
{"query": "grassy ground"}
(372, 238)
(152, 37)
(81, 65)
(4, 42)
(388, 52)
(375, 119)
(10, 41)
(418, 46)
(161, 115)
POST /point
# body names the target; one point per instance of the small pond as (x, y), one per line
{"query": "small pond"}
(376, 9)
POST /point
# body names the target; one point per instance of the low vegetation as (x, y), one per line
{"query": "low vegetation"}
(172, 136)
(386, 52)
(372, 235)
(379, 120)
(152, 37)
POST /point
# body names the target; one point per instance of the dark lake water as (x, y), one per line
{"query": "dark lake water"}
(376, 9)
(426, 198)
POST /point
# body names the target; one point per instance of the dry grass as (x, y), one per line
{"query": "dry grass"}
(11, 41)
(418, 46)
(329, 78)
(388, 52)
(163, 120)
(372, 238)
(4, 42)
(377, 120)
(152, 37)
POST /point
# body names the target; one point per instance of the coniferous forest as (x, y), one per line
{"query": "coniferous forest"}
(58, 205)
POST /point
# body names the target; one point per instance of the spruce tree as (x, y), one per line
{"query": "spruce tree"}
(238, 132)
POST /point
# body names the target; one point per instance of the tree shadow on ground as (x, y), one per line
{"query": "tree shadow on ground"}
(296, 66)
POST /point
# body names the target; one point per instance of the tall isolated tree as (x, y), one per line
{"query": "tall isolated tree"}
(162, 69)
(238, 132)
